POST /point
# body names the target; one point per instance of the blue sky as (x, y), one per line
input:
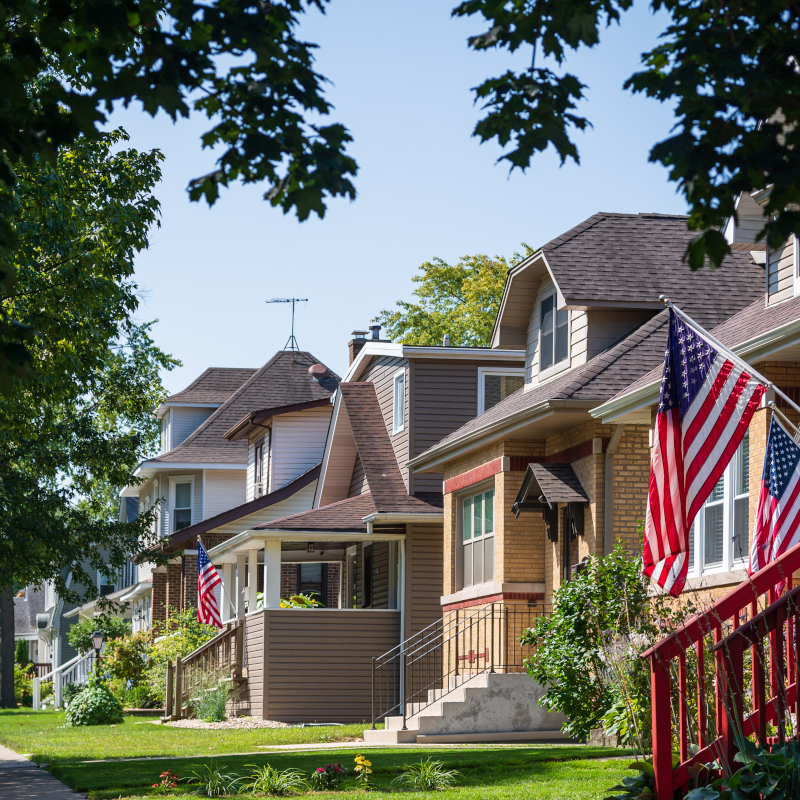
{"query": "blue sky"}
(401, 76)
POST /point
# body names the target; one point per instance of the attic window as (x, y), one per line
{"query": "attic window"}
(399, 404)
(554, 344)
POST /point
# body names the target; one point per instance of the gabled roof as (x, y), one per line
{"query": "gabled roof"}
(588, 385)
(175, 540)
(347, 516)
(283, 380)
(26, 608)
(215, 385)
(255, 419)
(627, 261)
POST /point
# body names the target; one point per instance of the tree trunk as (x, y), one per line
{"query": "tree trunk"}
(7, 648)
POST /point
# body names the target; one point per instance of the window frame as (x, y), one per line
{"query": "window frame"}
(477, 490)
(556, 366)
(400, 373)
(728, 503)
(483, 372)
(174, 480)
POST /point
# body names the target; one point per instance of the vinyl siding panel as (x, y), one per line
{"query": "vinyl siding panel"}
(256, 438)
(424, 576)
(381, 372)
(780, 273)
(186, 421)
(225, 489)
(298, 444)
(358, 483)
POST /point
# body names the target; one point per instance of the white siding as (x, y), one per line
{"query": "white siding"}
(300, 501)
(145, 572)
(255, 438)
(165, 430)
(186, 421)
(225, 489)
(298, 443)
(780, 273)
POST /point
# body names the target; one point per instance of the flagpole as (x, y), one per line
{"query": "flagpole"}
(221, 583)
(757, 375)
(775, 410)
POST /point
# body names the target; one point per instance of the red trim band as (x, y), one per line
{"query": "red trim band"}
(496, 598)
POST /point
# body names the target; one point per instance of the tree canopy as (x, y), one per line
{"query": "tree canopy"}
(79, 423)
(460, 300)
(731, 68)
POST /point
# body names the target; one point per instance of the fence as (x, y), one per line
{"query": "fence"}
(436, 660)
(725, 675)
(76, 670)
(222, 655)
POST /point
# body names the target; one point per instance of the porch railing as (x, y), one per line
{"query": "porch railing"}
(76, 670)
(438, 659)
(222, 657)
(724, 675)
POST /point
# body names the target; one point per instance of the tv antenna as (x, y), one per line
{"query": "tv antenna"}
(291, 342)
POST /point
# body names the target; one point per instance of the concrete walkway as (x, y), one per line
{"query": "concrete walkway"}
(21, 779)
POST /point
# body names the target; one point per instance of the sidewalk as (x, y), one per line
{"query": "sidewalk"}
(21, 779)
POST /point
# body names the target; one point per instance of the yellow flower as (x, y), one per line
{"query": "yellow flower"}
(362, 764)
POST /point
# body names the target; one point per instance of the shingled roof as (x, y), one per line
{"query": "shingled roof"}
(636, 257)
(283, 380)
(215, 385)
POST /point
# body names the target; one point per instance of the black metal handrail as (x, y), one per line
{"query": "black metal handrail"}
(438, 659)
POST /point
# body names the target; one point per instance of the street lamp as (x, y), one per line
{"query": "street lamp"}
(97, 641)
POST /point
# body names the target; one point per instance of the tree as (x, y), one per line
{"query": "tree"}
(80, 421)
(731, 68)
(110, 625)
(460, 300)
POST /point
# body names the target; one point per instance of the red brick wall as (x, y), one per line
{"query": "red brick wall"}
(158, 608)
(333, 585)
(190, 582)
(289, 582)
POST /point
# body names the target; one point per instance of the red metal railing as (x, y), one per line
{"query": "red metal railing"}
(705, 725)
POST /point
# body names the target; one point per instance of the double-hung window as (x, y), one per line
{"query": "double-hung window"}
(719, 536)
(477, 538)
(399, 404)
(554, 334)
(182, 505)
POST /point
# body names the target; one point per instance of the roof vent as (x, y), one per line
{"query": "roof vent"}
(319, 371)
(359, 334)
(376, 332)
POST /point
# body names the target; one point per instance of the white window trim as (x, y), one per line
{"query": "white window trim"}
(729, 563)
(173, 480)
(503, 373)
(556, 366)
(796, 259)
(468, 493)
(398, 374)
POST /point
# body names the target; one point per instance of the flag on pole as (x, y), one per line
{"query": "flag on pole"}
(707, 401)
(777, 525)
(207, 579)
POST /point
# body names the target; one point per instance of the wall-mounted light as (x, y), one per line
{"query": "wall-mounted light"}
(310, 548)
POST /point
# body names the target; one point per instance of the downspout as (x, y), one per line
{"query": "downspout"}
(608, 520)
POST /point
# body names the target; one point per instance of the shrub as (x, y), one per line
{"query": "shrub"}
(327, 778)
(112, 627)
(268, 780)
(211, 701)
(23, 684)
(425, 776)
(69, 691)
(126, 658)
(21, 652)
(211, 781)
(139, 697)
(94, 705)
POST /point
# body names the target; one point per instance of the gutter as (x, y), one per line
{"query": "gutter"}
(439, 455)
(380, 518)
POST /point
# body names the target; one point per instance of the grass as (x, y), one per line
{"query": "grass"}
(531, 772)
(42, 736)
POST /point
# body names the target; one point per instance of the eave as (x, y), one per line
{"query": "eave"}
(255, 419)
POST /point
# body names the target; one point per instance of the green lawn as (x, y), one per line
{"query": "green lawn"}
(42, 736)
(506, 773)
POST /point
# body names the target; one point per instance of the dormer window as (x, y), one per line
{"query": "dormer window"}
(399, 404)
(554, 334)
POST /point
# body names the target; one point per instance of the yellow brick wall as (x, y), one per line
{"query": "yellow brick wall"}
(631, 478)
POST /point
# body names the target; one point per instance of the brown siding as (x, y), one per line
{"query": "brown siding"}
(424, 553)
(358, 483)
(380, 581)
(381, 372)
(319, 663)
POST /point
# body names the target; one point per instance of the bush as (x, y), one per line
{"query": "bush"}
(21, 652)
(70, 690)
(126, 658)
(425, 776)
(112, 627)
(139, 697)
(211, 702)
(23, 684)
(327, 778)
(94, 705)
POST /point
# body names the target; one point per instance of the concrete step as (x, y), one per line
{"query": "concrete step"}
(390, 737)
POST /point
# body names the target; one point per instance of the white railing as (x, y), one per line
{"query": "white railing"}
(76, 670)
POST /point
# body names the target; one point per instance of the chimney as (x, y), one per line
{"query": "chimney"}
(375, 330)
(356, 343)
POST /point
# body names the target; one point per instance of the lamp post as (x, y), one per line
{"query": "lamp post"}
(97, 641)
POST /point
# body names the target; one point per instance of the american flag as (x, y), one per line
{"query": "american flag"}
(706, 403)
(777, 526)
(207, 579)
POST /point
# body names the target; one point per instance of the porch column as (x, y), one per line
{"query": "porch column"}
(227, 588)
(240, 573)
(272, 574)
(252, 580)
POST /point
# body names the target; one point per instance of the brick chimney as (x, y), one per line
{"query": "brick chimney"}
(356, 343)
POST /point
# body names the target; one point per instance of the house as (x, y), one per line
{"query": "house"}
(28, 610)
(548, 475)
(371, 546)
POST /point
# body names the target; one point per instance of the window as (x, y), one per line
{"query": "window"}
(554, 334)
(182, 506)
(719, 536)
(494, 386)
(312, 579)
(261, 466)
(399, 416)
(477, 532)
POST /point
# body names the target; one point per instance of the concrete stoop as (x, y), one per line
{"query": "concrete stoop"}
(489, 707)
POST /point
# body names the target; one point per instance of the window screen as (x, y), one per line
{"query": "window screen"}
(183, 506)
(498, 387)
(554, 334)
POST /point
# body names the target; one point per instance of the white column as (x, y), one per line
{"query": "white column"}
(240, 570)
(227, 588)
(252, 579)
(272, 574)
